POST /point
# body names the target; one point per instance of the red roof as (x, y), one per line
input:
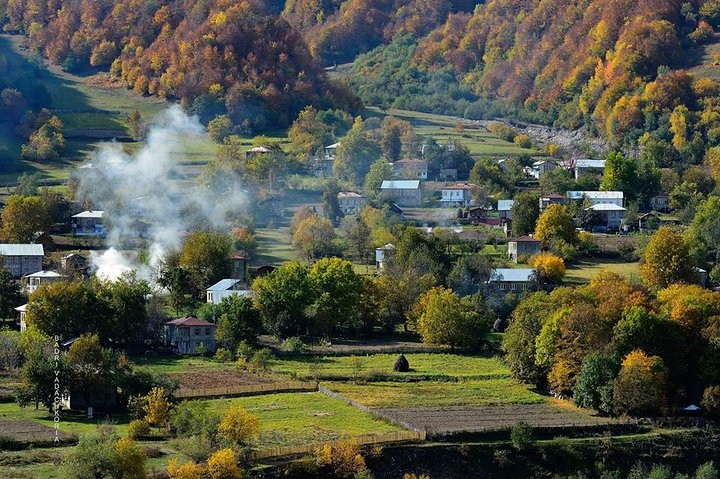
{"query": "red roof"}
(189, 321)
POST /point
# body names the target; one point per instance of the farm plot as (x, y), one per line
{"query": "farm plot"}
(291, 419)
(30, 432)
(476, 419)
(423, 366)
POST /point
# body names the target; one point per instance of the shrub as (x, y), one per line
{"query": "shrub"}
(245, 351)
(194, 418)
(401, 364)
(521, 436)
(201, 349)
(711, 401)
(223, 355)
(197, 448)
(344, 459)
(223, 465)
(189, 470)
(138, 429)
(293, 345)
(238, 425)
(261, 359)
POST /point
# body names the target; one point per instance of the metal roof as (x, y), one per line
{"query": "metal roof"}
(596, 195)
(223, 285)
(525, 239)
(349, 194)
(44, 274)
(89, 214)
(22, 250)
(459, 186)
(590, 164)
(259, 149)
(606, 207)
(400, 185)
(22, 308)
(505, 205)
(411, 161)
(333, 146)
(513, 275)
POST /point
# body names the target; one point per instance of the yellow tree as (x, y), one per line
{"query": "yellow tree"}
(223, 465)
(130, 459)
(548, 267)
(640, 387)
(238, 425)
(157, 407)
(23, 218)
(556, 223)
(666, 260)
(189, 470)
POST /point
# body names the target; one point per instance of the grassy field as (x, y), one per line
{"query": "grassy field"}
(388, 394)
(477, 139)
(70, 422)
(423, 365)
(584, 270)
(303, 418)
(274, 246)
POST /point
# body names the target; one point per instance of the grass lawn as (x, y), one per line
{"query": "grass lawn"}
(423, 365)
(584, 270)
(274, 246)
(179, 364)
(70, 422)
(477, 139)
(303, 418)
(437, 393)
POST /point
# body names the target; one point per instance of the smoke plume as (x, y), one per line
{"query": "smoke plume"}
(150, 201)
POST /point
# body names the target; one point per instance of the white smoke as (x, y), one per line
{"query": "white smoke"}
(149, 202)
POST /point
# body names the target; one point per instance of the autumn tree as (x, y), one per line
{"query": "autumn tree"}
(555, 224)
(224, 465)
(136, 125)
(666, 260)
(238, 425)
(46, 143)
(308, 134)
(640, 385)
(548, 267)
(157, 407)
(23, 218)
(314, 237)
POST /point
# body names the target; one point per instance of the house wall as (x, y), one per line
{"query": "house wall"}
(34, 283)
(19, 266)
(455, 198)
(186, 339)
(405, 197)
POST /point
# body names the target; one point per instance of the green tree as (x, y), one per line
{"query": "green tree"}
(594, 384)
(703, 235)
(238, 320)
(309, 134)
(46, 143)
(10, 294)
(282, 298)
(206, 255)
(330, 203)
(620, 175)
(448, 319)
(359, 236)
(666, 260)
(136, 125)
(558, 181)
(23, 217)
(125, 301)
(525, 213)
(93, 370)
(380, 171)
(469, 274)
(37, 375)
(66, 309)
(337, 292)
(356, 153)
(219, 128)
(520, 337)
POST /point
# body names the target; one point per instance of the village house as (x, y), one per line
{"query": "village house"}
(22, 259)
(660, 202)
(524, 246)
(551, 199)
(410, 169)
(508, 280)
(35, 280)
(505, 209)
(649, 222)
(403, 192)
(185, 335)
(541, 167)
(88, 223)
(22, 321)
(587, 166)
(598, 197)
(73, 261)
(256, 151)
(611, 215)
(448, 174)
(383, 254)
(224, 289)
(459, 194)
(351, 203)
(323, 166)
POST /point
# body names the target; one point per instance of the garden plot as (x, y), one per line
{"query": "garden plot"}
(30, 432)
(478, 419)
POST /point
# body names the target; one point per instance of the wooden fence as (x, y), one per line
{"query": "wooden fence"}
(248, 390)
(369, 439)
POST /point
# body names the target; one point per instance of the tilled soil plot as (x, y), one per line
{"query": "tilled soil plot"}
(29, 431)
(477, 419)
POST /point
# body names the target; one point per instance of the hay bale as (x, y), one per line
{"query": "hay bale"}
(401, 365)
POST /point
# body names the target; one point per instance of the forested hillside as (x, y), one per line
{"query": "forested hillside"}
(338, 30)
(217, 57)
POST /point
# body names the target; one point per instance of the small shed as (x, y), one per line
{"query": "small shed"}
(89, 223)
(523, 246)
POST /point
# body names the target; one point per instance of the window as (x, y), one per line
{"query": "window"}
(197, 331)
(210, 296)
(502, 286)
(207, 331)
(513, 286)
